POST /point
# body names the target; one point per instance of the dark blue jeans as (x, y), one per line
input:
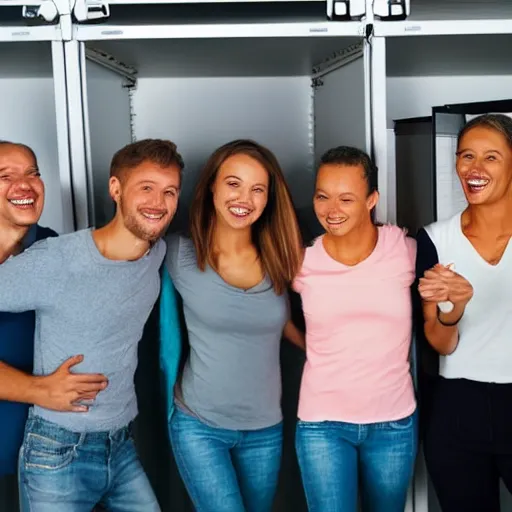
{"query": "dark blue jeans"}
(226, 470)
(337, 458)
(64, 471)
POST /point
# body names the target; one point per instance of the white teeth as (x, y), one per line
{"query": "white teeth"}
(477, 182)
(334, 221)
(22, 201)
(153, 216)
(239, 211)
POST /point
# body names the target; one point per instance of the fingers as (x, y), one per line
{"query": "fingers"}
(69, 363)
(89, 378)
(87, 397)
(84, 388)
(429, 286)
(78, 408)
(433, 296)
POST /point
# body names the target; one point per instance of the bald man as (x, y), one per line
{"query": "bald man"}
(21, 205)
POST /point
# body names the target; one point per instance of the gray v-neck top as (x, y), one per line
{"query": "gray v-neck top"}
(232, 377)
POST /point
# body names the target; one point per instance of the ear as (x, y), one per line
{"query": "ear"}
(372, 200)
(114, 188)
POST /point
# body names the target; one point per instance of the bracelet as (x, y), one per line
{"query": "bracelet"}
(448, 324)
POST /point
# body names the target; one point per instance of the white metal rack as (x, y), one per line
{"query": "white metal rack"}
(202, 72)
(288, 84)
(34, 102)
(449, 17)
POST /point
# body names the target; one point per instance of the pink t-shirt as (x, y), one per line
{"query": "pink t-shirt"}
(358, 333)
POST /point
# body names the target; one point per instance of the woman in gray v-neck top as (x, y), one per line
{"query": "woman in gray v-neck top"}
(232, 277)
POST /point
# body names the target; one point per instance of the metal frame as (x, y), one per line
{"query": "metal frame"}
(77, 124)
(54, 34)
(205, 31)
(61, 112)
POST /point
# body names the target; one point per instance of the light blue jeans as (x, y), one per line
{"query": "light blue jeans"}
(64, 471)
(226, 470)
(337, 459)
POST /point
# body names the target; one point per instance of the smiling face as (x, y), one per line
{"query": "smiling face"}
(484, 165)
(21, 187)
(341, 200)
(147, 198)
(240, 191)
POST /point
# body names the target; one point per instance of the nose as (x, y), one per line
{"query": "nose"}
(158, 200)
(23, 184)
(334, 206)
(477, 163)
(244, 195)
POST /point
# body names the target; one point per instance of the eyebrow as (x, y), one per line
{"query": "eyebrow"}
(152, 182)
(30, 169)
(468, 149)
(342, 194)
(232, 176)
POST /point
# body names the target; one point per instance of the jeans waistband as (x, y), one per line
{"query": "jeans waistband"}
(43, 427)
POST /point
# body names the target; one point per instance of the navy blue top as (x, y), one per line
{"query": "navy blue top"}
(17, 349)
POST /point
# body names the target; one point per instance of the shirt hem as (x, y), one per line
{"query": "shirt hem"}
(89, 425)
(318, 418)
(226, 426)
(476, 378)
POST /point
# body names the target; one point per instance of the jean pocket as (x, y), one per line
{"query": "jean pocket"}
(42, 452)
(403, 424)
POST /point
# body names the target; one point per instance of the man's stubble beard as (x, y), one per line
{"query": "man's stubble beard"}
(134, 226)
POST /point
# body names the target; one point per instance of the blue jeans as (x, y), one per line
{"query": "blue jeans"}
(337, 458)
(226, 470)
(64, 471)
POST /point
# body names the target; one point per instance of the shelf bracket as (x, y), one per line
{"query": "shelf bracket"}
(391, 9)
(339, 10)
(48, 11)
(90, 10)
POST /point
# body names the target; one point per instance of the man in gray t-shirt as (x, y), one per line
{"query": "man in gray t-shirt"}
(92, 292)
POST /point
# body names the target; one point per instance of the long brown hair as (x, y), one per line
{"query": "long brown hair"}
(275, 234)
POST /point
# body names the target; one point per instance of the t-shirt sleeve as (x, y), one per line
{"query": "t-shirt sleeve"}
(172, 258)
(298, 283)
(411, 249)
(28, 280)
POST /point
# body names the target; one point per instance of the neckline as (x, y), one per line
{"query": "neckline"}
(252, 289)
(475, 252)
(364, 262)
(96, 254)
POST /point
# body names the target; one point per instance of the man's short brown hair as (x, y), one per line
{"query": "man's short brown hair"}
(160, 152)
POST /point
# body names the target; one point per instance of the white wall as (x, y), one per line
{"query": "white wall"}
(28, 116)
(109, 128)
(415, 96)
(200, 114)
(340, 109)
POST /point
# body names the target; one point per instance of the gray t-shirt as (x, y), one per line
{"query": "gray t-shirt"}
(232, 378)
(85, 304)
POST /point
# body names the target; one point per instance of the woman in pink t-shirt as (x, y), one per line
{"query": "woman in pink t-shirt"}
(357, 411)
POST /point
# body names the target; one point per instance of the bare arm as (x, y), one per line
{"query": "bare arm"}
(59, 391)
(441, 284)
(294, 335)
(443, 338)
